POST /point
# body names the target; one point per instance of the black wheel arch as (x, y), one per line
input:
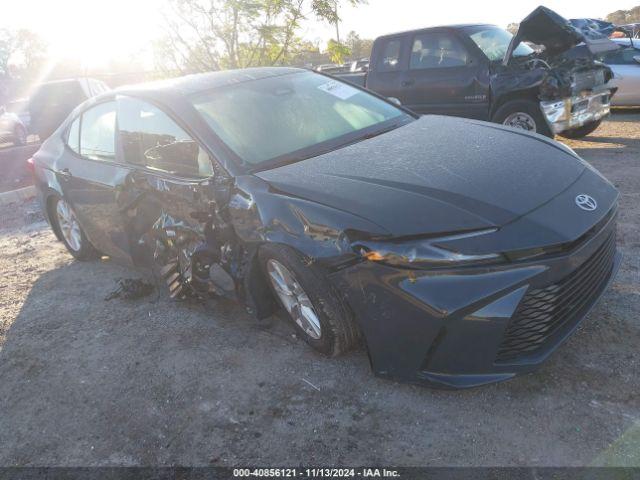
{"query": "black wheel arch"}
(259, 298)
(530, 94)
(49, 199)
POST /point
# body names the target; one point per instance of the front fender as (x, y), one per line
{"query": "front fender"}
(261, 214)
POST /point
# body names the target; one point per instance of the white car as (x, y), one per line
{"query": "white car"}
(625, 64)
(11, 128)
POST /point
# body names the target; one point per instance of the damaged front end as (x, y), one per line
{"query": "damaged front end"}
(570, 84)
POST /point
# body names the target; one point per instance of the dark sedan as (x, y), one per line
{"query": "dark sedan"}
(461, 252)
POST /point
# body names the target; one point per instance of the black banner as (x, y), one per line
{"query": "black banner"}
(202, 473)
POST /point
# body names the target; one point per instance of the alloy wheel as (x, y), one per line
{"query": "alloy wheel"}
(69, 226)
(294, 299)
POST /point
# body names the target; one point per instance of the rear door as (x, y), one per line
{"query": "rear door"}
(444, 77)
(386, 67)
(90, 174)
(626, 75)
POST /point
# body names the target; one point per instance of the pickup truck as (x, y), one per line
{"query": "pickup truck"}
(483, 72)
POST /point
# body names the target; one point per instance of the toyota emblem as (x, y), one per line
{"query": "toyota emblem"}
(585, 202)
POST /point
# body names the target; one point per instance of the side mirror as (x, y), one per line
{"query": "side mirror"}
(637, 58)
(395, 100)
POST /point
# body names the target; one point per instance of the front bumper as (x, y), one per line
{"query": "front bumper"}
(465, 328)
(574, 112)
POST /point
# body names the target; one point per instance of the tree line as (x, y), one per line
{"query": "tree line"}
(203, 35)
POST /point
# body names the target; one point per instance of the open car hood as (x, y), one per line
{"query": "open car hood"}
(557, 34)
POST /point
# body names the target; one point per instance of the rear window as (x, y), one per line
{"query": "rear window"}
(624, 56)
(389, 59)
(97, 132)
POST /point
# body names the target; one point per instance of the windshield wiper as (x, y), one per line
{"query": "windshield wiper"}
(370, 135)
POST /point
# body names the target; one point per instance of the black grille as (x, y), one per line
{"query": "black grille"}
(543, 311)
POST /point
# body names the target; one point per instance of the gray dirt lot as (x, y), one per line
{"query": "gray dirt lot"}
(84, 381)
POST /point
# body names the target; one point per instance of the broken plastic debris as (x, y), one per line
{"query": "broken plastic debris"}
(131, 289)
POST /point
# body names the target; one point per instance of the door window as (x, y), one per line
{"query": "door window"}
(624, 56)
(97, 132)
(437, 50)
(390, 59)
(73, 140)
(150, 138)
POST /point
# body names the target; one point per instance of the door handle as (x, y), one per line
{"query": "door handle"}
(407, 83)
(65, 173)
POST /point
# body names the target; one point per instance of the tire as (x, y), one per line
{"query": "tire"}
(524, 114)
(19, 136)
(582, 131)
(338, 332)
(78, 245)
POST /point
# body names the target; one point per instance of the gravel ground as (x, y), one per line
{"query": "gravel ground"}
(84, 381)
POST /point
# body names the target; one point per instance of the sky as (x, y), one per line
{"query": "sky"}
(97, 30)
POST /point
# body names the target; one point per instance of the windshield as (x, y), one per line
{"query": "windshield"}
(494, 42)
(293, 116)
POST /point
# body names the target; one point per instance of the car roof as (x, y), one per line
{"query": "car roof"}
(459, 26)
(200, 82)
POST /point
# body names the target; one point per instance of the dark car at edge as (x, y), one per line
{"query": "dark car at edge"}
(457, 260)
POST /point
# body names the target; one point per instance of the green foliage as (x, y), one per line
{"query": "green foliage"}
(360, 48)
(22, 53)
(204, 35)
(622, 17)
(512, 28)
(338, 52)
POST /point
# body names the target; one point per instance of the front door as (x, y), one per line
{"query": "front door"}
(444, 78)
(167, 200)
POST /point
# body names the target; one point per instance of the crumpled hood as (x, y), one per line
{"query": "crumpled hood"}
(557, 34)
(435, 175)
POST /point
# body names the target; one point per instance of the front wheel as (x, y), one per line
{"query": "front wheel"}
(582, 131)
(318, 313)
(66, 223)
(524, 115)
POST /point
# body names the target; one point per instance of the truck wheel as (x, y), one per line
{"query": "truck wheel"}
(582, 131)
(319, 315)
(523, 114)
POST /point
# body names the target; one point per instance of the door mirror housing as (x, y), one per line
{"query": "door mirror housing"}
(637, 59)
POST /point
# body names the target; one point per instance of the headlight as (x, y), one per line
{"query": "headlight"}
(423, 253)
